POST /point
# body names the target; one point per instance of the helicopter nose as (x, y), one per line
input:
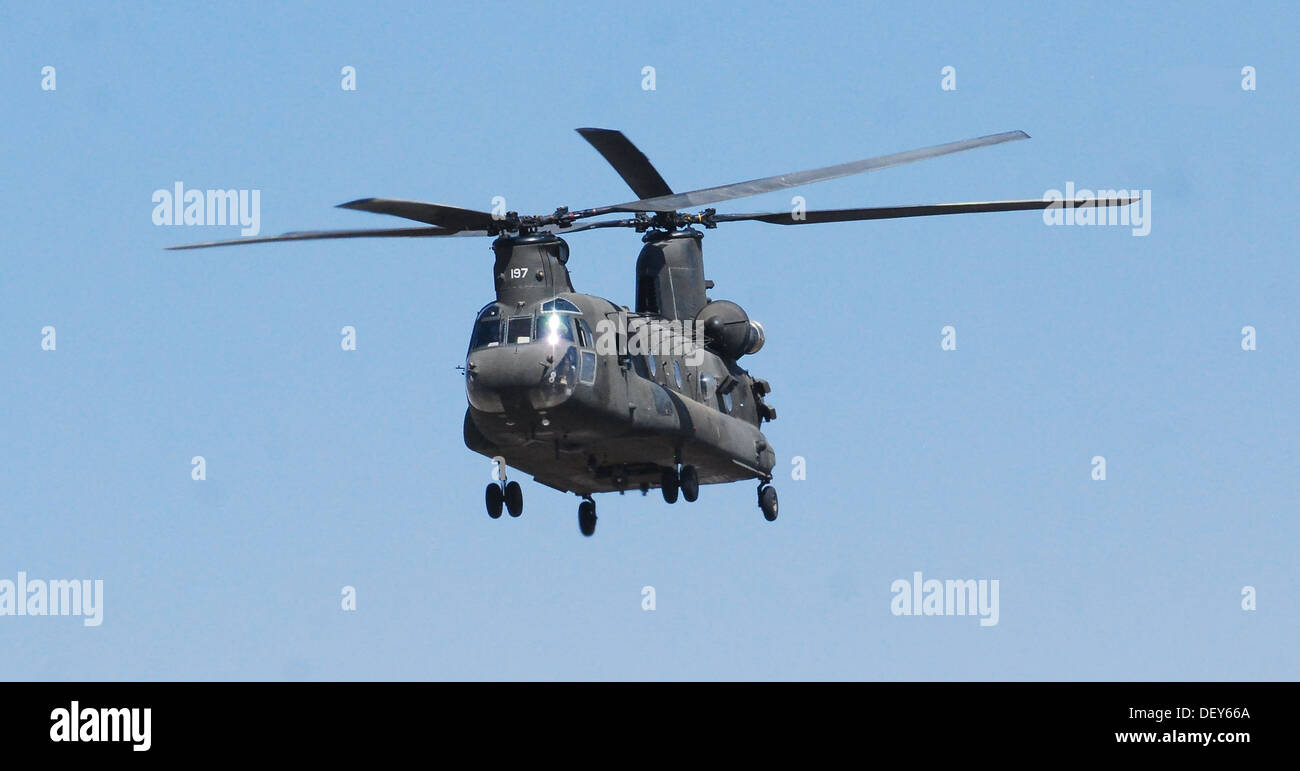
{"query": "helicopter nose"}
(534, 375)
(503, 367)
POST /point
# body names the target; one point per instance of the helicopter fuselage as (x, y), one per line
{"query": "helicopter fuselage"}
(558, 401)
(587, 396)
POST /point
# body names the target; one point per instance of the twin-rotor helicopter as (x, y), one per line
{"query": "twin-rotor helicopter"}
(551, 394)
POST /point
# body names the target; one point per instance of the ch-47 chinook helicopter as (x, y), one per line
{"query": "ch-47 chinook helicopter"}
(558, 385)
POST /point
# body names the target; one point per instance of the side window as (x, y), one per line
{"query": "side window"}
(677, 373)
(487, 329)
(585, 338)
(587, 371)
(487, 333)
(519, 329)
(652, 365)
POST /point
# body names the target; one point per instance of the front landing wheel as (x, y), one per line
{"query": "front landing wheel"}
(689, 480)
(669, 485)
(587, 517)
(767, 502)
(514, 497)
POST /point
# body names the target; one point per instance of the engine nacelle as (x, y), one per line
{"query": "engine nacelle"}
(728, 331)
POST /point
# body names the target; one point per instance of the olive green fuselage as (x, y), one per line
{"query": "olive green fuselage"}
(587, 396)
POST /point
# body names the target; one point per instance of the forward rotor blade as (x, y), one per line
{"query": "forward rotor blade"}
(709, 195)
(449, 217)
(630, 163)
(896, 212)
(314, 235)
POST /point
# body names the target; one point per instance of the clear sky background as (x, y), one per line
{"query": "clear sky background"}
(328, 468)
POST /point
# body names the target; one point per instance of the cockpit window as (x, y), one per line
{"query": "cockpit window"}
(487, 329)
(585, 338)
(560, 305)
(519, 329)
(554, 327)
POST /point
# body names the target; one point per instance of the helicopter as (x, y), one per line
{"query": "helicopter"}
(589, 396)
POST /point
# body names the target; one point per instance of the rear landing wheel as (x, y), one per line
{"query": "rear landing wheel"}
(514, 497)
(587, 517)
(690, 482)
(767, 502)
(669, 485)
(494, 499)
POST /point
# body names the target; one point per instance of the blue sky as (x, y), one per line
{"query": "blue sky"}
(328, 468)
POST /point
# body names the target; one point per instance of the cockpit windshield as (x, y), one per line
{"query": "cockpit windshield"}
(557, 322)
(554, 327)
(519, 329)
(487, 329)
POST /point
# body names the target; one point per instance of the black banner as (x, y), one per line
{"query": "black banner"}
(1177, 720)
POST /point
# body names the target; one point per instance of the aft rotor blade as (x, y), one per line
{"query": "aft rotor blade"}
(630, 163)
(709, 195)
(314, 235)
(928, 210)
(449, 217)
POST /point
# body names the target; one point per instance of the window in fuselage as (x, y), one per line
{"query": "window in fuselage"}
(487, 334)
(554, 328)
(487, 329)
(519, 329)
(559, 304)
(585, 338)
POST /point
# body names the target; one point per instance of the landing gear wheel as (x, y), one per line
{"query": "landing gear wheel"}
(767, 502)
(587, 517)
(514, 497)
(669, 485)
(690, 482)
(494, 500)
